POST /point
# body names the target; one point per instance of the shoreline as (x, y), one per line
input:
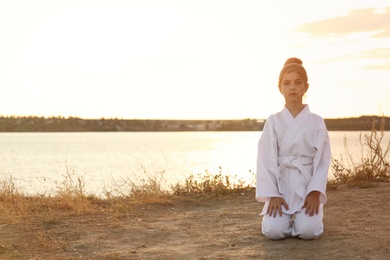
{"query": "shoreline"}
(75, 124)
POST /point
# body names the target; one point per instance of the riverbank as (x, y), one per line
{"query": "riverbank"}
(190, 227)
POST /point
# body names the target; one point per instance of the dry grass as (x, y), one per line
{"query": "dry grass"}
(151, 185)
(70, 196)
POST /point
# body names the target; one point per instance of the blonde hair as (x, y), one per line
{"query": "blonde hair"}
(293, 64)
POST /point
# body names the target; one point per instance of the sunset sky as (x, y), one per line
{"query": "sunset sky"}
(200, 59)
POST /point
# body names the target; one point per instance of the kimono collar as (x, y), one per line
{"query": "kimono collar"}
(286, 113)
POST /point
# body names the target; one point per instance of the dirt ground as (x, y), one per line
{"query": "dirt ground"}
(206, 227)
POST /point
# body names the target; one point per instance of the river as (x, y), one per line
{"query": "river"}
(39, 161)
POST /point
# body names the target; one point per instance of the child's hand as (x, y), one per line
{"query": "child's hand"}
(275, 206)
(312, 203)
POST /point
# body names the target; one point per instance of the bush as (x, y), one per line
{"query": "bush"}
(373, 165)
(217, 184)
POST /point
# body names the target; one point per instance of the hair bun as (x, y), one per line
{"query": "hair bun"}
(293, 60)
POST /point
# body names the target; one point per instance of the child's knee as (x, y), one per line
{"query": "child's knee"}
(309, 235)
(273, 234)
(275, 231)
(308, 227)
(309, 232)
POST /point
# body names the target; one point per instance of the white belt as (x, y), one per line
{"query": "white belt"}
(293, 162)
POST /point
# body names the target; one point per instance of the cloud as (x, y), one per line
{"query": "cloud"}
(362, 20)
(377, 53)
(378, 58)
(384, 66)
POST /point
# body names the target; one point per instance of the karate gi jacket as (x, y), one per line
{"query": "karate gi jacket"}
(293, 159)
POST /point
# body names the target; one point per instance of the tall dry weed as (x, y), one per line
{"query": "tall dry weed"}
(12, 200)
(71, 193)
(8, 187)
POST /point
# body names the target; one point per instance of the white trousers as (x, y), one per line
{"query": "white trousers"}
(303, 226)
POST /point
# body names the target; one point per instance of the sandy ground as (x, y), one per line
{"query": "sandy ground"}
(357, 226)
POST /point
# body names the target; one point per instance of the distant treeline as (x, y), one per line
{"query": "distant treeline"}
(363, 123)
(74, 124)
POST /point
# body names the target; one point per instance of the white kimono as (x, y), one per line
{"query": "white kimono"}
(293, 159)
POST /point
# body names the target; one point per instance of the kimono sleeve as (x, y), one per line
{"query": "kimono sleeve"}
(267, 167)
(321, 163)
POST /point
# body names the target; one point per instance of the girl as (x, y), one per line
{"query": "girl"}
(293, 162)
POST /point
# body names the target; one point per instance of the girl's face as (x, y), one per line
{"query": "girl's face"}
(293, 87)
